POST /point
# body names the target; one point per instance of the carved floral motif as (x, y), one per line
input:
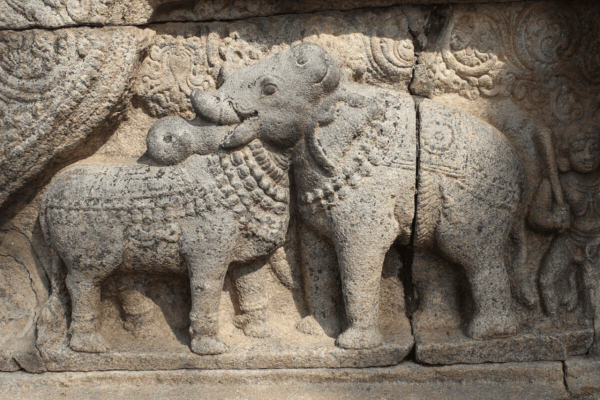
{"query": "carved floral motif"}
(202, 57)
(534, 53)
(174, 67)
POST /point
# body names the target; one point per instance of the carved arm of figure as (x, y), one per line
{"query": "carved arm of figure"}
(546, 214)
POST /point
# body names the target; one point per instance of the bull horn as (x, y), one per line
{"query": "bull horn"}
(213, 109)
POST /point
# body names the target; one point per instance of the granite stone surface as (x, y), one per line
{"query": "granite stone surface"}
(260, 198)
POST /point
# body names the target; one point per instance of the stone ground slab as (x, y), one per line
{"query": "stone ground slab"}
(582, 375)
(453, 347)
(258, 356)
(543, 380)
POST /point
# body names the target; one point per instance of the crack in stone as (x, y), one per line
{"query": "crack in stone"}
(149, 24)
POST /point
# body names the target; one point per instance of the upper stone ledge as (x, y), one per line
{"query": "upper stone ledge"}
(23, 14)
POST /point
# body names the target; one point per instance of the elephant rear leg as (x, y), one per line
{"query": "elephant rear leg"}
(492, 316)
(85, 300)
(483, 262)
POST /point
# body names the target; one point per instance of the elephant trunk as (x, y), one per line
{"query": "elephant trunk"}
(214, 109)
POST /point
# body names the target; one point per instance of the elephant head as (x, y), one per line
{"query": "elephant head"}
(276, 100)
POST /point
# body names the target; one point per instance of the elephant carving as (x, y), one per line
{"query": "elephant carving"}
(374, 167)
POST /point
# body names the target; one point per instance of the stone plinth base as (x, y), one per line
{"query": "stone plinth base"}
(541, 380)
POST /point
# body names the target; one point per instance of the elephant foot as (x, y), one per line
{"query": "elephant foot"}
(360, 338)
(90, 342)
(527, 297)
(253, 324)
(309, 326)
(206, 345)
(484, 327)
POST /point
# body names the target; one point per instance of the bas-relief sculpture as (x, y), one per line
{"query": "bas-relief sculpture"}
(307, 211)
(353, 152)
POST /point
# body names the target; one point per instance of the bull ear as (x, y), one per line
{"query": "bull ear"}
(240, 136)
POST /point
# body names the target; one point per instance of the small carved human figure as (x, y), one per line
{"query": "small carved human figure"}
(571, 206)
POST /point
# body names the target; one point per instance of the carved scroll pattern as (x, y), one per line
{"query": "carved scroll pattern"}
(52, 13)
(375, 48)
(534, 53)
(55, 88)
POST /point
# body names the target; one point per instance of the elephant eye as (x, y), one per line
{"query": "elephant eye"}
(269, 89)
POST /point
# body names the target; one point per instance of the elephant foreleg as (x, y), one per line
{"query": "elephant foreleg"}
(322, 288)
(85, 299)
(361, 240)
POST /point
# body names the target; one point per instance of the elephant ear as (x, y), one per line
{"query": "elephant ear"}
(243, 134)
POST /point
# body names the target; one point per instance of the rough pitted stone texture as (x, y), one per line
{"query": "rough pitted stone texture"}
(408, 380)
(308, 190)
(582, 376)
(20, 14)
(58, 89)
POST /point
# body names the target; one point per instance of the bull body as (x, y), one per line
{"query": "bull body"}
(195, 218)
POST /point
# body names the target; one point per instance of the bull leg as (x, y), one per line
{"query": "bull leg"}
(206, 280)
(362, 236)
(85, 299)
(249, 281)
(321, 284)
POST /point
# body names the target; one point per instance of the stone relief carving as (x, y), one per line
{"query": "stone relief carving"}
(318, 190)
(382, 55)
(519, 52)
(344, 143)
(567, 203)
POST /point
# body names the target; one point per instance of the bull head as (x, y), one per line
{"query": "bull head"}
(275, 100)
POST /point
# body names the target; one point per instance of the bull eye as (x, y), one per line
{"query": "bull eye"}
(168, 138)
(269, 89)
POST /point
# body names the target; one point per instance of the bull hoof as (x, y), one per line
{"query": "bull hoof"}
(360, 339)
(207, 345)
(490, 327)
(256, 328)
(88, 342)
(309, 326)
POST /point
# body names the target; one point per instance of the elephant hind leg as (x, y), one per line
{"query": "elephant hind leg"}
(492, 317)
(483, 262)
(249, 282)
